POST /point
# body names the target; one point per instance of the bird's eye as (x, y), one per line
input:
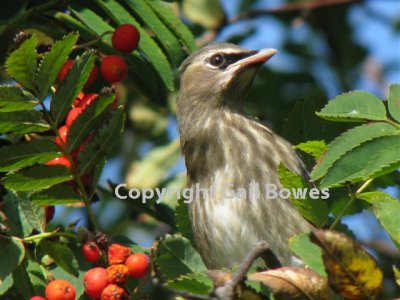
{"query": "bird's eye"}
(217, 60)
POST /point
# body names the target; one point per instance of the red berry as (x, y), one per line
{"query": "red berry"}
(65, 70)
(49, 211)
(91, 251)
(113, 68)
(61, 139)
(78, 98)
(60, 161)
(60, 290)
(92, 76)
(72, 115)
(68, 66)
(114, 292)
(37, 298)
(94, 281)
(125, 38)
(138, 264)
(117, 254)
(87, 100)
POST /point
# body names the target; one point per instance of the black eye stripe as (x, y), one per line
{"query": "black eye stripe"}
(228, 59)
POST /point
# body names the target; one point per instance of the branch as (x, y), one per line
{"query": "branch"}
(226, 292)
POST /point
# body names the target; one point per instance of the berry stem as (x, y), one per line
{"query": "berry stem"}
(92, 42)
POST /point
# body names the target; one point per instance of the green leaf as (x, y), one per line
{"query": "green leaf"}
(314, 210)
(20, 275)
(394, 101)
(35, 178)
(73, 84)
(348, 141)
(36, 277)
(380, 156)
(166, 14)
(61, 254)
(34, 213)
(176, 257)
(13, 98)
(151, 170)
(387, 210)
(52, 62)
(22, 122)
(103, 143)
(21, 64)
(19, 225)
(88, 120)
(167, 40)
(356, 106)
(192, 283)
(147, 45)
(55, 195)
(183, 222)
(308, 252)
(314, 148)
(12, 252)
(6, 284)
(207, 13)
(27, 154)
(143, 75)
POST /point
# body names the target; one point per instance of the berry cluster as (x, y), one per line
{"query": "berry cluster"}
(125, 39)
(108, 283)
(102, 283)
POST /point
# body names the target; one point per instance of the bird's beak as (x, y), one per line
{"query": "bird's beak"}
(258, 58)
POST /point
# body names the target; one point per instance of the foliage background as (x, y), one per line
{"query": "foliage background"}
(323, 51)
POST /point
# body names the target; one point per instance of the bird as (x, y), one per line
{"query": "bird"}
(224, 147)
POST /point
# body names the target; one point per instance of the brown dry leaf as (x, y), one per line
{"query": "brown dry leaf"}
(352, 272)
(293, 283)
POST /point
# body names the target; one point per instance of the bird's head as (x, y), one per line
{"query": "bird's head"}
(219, 75)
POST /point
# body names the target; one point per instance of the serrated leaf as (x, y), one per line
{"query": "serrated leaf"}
(94, 26)
(356, 106)
(183, 222)
(193, 283)
(348, 141)
(167, 40)
(352, 272)
(34, 213)
(165, 13)
(22, 122)
(176, 257)
(394, 101)
(35, 178)
(19, 225)
(387, 210)
(13, 98)
(314, 210)
(52, 62)
(21, 64)
(61, 254)
(308, 252)
(73, 84)
(103, 143)
(313, 148)
(151, 170)
(87, 121)
(20, 275)
(381, 156)
(146, 44)
(27, 154)
(292, 283)
(12, 253)
(36, 277)
(55, 195)
(207, 13)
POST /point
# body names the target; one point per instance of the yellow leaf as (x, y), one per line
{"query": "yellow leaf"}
(352, 272)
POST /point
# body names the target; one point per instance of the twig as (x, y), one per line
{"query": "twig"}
(226, 292)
